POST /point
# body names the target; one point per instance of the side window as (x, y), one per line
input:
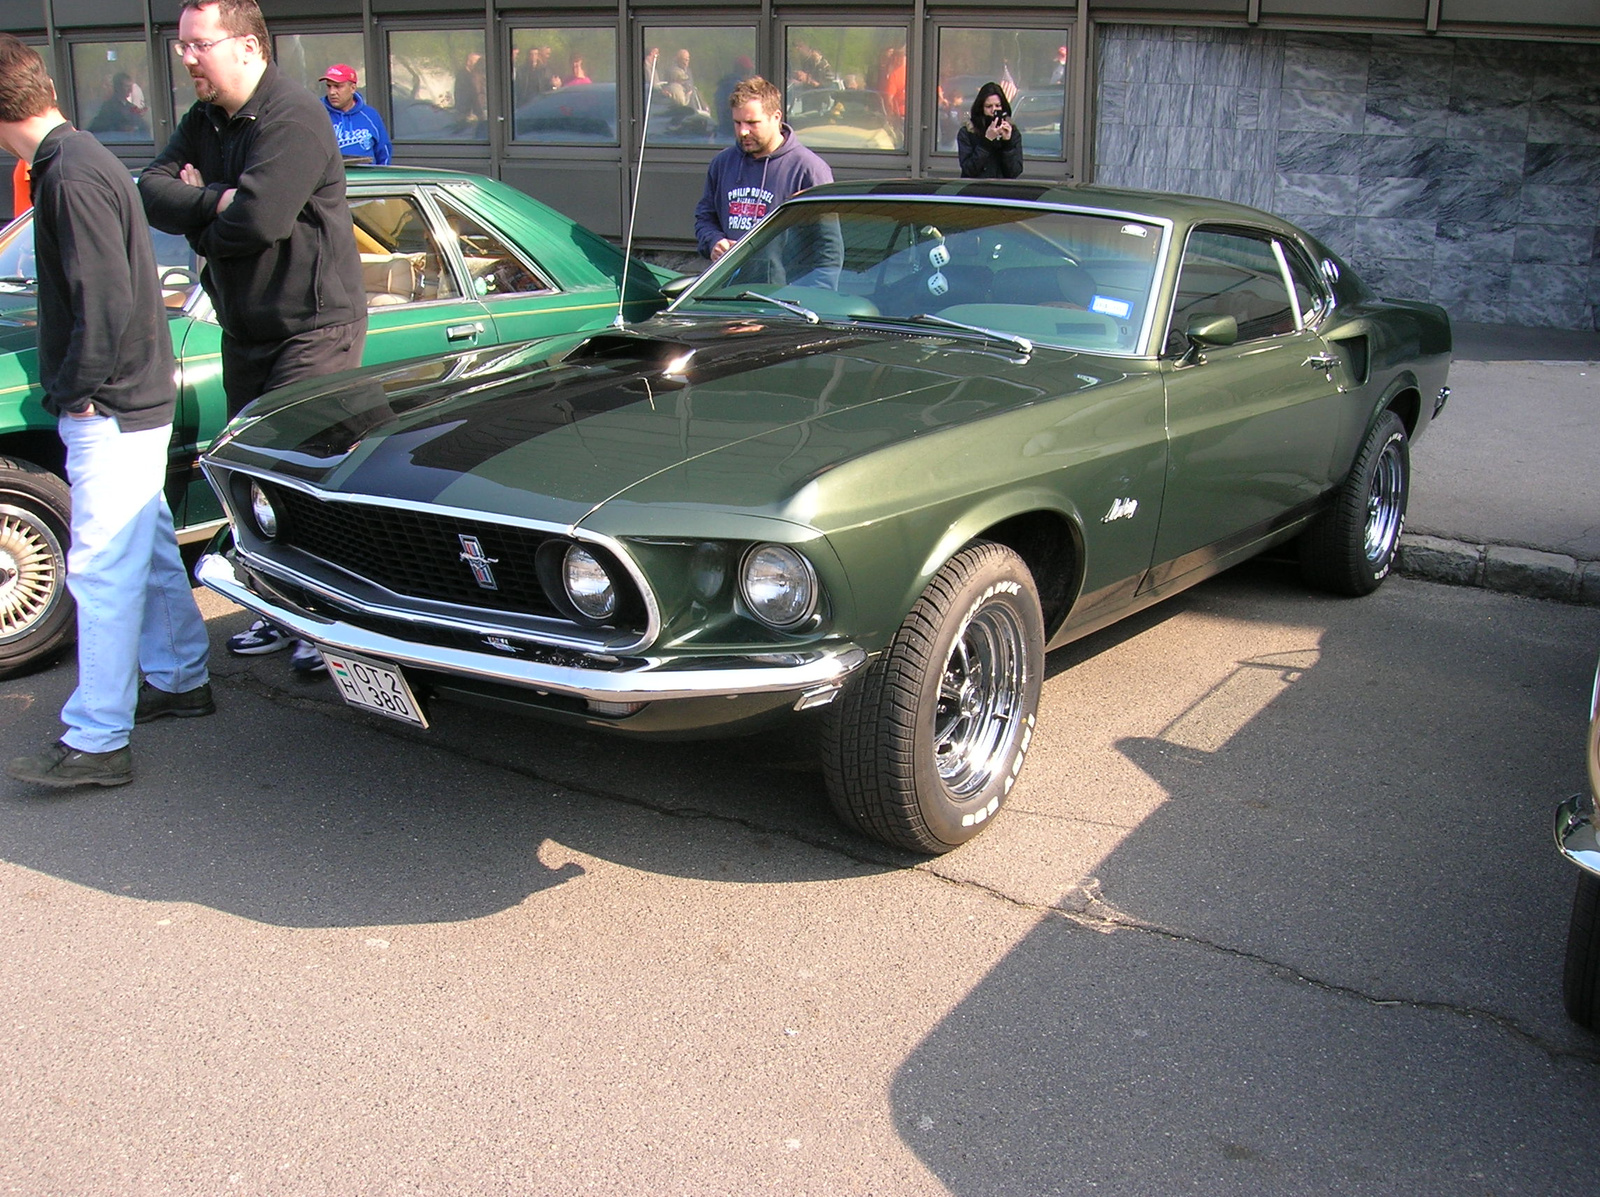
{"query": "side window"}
(491, 264)
(1308, 297)
(1233, 274)
(400, 260)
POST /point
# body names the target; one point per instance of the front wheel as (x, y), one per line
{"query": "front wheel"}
(1350, 548)
(37, 616)
(921, 751)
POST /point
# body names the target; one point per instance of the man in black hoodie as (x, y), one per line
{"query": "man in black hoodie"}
(105, 365)
(254, 178)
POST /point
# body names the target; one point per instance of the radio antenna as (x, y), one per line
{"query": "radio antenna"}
(633, 208)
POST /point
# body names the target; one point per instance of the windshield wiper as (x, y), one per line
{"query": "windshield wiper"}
(804, 313)
(1022, 343)
(16, 280)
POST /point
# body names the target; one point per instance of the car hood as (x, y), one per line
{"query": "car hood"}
(739, 412)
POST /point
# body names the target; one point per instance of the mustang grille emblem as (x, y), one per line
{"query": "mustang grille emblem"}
(472, 553)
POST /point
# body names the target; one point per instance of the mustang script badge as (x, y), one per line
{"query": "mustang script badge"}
(472, 554)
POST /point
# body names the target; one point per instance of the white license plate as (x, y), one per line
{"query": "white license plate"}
(373, 685)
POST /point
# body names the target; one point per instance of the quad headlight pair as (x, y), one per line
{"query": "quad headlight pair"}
(776, 583)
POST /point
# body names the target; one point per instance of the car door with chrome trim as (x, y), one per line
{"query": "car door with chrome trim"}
(417, 300)
(1251, 424)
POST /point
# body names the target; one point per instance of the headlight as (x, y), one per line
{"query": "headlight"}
(263, 512)
(779, 585)
(587, 583)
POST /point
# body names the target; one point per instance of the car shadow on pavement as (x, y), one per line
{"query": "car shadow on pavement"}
(1327, 958)
(289, 808)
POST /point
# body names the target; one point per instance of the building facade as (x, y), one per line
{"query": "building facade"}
(1449, 148)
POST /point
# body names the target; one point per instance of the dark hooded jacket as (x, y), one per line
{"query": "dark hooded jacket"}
(282, 259)
(982, 158)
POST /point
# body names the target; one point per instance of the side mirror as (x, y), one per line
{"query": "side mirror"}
(676, 287)
(1206, 330)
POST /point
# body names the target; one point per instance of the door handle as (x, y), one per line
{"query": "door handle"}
(1321, 361)
(463, 332)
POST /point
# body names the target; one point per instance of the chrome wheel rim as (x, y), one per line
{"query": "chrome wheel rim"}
(31, 561)
(980, 700)
(1385, 504)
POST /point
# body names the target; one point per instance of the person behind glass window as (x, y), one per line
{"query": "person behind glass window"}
(989, 145)
(122, 115)
(357, 126)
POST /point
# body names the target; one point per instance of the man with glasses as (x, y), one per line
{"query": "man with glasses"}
(254, 178)
(357, 127)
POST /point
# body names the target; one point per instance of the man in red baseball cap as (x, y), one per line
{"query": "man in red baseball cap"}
(356, 124)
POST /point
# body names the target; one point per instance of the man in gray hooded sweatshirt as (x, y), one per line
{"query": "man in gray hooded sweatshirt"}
(766, 165)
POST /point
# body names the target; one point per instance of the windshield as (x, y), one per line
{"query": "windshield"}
(1076, 280)
(176, 263)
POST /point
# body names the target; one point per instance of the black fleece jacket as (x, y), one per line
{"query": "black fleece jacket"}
(282, 259)
(103, 336)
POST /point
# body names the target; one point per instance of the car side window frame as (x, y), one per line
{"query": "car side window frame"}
(1246, 232)
(444, 204)
(434, 227)
(1301, 274)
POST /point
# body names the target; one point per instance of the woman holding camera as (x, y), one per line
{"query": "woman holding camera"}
(990, 147)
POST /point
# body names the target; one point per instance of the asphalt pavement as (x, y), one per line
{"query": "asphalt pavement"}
(1502, 484)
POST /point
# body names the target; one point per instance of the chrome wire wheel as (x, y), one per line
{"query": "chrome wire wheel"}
(31, 581)
(981, 700)
(1385, 503)
(922, 747)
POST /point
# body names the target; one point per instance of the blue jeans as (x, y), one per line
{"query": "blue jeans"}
(135, 606)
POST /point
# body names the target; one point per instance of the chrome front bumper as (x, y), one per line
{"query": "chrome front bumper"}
(814, 678)
(1575, 833)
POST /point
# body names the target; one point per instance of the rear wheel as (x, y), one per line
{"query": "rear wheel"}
(1580, 984)
(36, 611)
(921, 751)
(1350, 548)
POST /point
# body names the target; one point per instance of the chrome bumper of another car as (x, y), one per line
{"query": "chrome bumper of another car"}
(814, 677)
(1576, 837)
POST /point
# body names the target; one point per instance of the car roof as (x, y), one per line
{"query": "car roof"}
(1181, 209)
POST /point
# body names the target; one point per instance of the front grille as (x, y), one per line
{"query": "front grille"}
(417, 553)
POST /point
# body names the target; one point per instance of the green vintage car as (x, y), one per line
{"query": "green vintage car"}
(901, 441)
(450, 261)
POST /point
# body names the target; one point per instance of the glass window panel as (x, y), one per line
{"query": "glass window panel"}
(437, 85)
(109, 81)
(494, 267)
(1228, 274)
(1030, 65)
(564, 85)
(696, 69)
(305, 57)
(1077, 280)
(846, 86)
(400, 260)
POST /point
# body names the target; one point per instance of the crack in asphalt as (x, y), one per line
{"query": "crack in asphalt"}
(1091, 912)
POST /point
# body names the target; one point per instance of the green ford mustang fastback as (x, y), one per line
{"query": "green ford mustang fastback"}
(901, 441)
(448, 260)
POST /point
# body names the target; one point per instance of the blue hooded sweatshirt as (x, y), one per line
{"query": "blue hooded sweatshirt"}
(360, 132)
(740, 190)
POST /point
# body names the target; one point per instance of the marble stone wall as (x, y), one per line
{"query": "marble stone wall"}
(1464, 172)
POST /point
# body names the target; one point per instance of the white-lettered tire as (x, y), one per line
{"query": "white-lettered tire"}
(37, 615)
(923, 748)
(1350, 548)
